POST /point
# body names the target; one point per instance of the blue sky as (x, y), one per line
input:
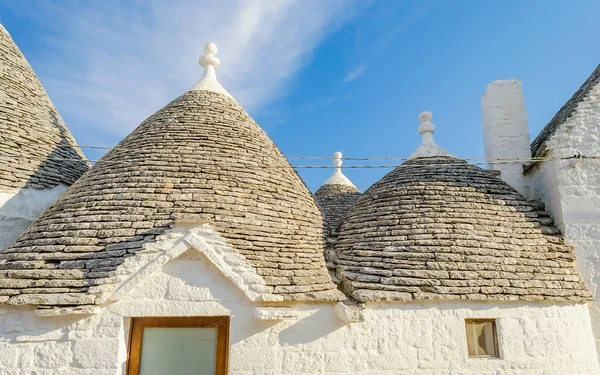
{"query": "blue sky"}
(318, 75)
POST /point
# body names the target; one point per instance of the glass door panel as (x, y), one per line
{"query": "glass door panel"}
(178, 351)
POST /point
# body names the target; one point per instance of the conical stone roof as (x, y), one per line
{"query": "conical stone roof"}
(335, 201)
(336, 196)
(35, 145)
(440, 228)
(200, 159)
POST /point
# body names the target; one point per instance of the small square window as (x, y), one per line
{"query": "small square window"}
(482, 340)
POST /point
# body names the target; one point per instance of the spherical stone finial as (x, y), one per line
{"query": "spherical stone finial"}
(209, 58)
(425, 117)
(427, 148)
(210, 63)
(337, 159)
(210, 49)
(426, 125)
(338, 178)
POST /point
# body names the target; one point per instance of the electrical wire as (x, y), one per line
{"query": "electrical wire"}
(475, 161)
(304, 157)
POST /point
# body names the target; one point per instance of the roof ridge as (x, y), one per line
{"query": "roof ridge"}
(539, 143)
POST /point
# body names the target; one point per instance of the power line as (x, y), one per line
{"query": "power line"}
(474, 161)
(309, 157)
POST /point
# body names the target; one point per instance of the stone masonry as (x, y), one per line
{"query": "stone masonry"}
(335, 200)
(36, 148)
(569, 185)
(440, 228)
(200, 159)
(426, 338)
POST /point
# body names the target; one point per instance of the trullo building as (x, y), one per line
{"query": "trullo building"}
(193, 247)
(30, 125)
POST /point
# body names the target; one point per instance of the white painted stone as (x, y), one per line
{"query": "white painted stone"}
(80, 310)
(427, 148)
(88, 354)
(505, 131)
(18, 210)
(210, 63)
(414, 338)
(8, 356)
(571, 191)
(350, 313)
(13, 325)
(52, 354)
(200, 238)
(275, 313)
(40, 336)
(338, 178)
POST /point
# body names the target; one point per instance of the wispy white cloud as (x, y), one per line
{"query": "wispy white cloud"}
(355, 73)
(321, 103)
(404, 22)
(114, 63)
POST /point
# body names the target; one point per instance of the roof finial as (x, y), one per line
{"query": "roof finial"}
(338, 178)
(426, 129)
(210, 62)
(428, 147)
(337, 160)
(210, 59)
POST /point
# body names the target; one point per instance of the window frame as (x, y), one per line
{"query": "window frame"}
(494, 322)
(221, 323)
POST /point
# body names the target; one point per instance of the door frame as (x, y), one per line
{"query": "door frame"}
(137, 331)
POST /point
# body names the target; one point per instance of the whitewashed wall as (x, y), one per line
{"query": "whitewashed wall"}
(571, 191)
(18, 210)
(427, 338)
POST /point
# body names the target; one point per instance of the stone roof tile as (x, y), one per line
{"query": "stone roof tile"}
(440, 228)
(202, 159)
(335, 201)
(337, 196)
(31, 127)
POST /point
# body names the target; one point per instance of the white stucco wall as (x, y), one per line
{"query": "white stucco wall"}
(505, 131)
(18, 210)
(417, 338)
(571, 190)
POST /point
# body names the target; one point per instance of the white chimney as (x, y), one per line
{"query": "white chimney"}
(505, 131)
